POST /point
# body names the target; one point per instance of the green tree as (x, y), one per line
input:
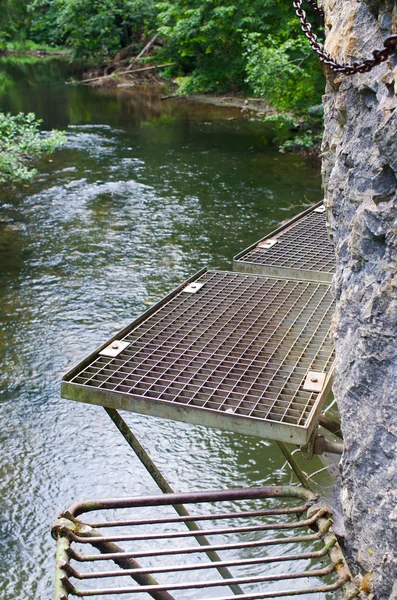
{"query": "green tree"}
(14, 22)
(287, 73)
(102, 27)
(208, 38)
(289, 76)
(95, 28)
(45, 27)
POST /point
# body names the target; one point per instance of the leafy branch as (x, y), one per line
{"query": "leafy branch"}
(20, 141)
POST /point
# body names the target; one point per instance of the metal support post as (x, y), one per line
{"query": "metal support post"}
(166, 489)
(61, 591)
(294, 464)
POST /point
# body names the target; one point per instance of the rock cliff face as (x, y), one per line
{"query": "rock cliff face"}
(360, 180)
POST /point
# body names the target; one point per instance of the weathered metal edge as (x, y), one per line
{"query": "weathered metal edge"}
(240, 266)
(190, 414)
(319, 403)
(277, 231)
(271, 491)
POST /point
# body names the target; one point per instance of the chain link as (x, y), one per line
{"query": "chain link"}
(315, 8)
(379, 56)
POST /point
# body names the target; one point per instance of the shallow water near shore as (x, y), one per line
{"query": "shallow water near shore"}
(144, 194)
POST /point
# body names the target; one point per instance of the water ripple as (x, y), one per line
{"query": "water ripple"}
(118, 219)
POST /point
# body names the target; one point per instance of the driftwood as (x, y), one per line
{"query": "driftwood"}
(121, 58)
(145, 49)
(127, 72)
(174, 96)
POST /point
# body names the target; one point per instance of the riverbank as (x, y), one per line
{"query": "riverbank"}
(38, 53)
(292, 132)
(150, 75)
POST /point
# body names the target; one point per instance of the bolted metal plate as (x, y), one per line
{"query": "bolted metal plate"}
(114, 349)
(234, 355)
(314, 381)
(267, 244)
(301, 249)
(193, 288)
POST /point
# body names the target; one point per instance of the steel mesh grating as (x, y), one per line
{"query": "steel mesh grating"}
(253, 543)
(233, 355)
(303, 250)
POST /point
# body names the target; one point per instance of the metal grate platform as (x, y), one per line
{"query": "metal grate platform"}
(272, 542)
(238, 352)
(301, 249)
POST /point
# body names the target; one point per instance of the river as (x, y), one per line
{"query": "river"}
(143, 195)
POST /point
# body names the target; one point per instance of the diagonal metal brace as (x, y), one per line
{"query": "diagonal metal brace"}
(167, 489)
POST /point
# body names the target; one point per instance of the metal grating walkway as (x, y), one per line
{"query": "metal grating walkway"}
(301, 249)
(227, 350)
(244, 544)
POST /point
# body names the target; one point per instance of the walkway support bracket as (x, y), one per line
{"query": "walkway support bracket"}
(165, 487)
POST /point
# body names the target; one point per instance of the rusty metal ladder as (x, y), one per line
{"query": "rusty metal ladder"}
(167, 564)
(263, 525)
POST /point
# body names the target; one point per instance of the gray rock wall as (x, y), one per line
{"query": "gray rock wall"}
(360, 180)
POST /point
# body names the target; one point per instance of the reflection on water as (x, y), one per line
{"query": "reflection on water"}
(144, 194)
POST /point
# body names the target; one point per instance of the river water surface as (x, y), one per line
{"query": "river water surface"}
(143, 195)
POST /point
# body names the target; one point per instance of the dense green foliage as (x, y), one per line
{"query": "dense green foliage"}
(287, 73)
(14, 24)
(207, 38)
(102, 27)
(94, 28)
(222, 46)
(20, 141)
(253, 46)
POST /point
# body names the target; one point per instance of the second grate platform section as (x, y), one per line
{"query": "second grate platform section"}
(239, 352)
(300, 249)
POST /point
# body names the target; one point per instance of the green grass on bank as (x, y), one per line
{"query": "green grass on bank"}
(27, 46)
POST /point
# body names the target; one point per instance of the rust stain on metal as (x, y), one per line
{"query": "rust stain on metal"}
(263, 532)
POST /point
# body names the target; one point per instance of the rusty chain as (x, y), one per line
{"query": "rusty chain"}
(315, 8)
(379, 56)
